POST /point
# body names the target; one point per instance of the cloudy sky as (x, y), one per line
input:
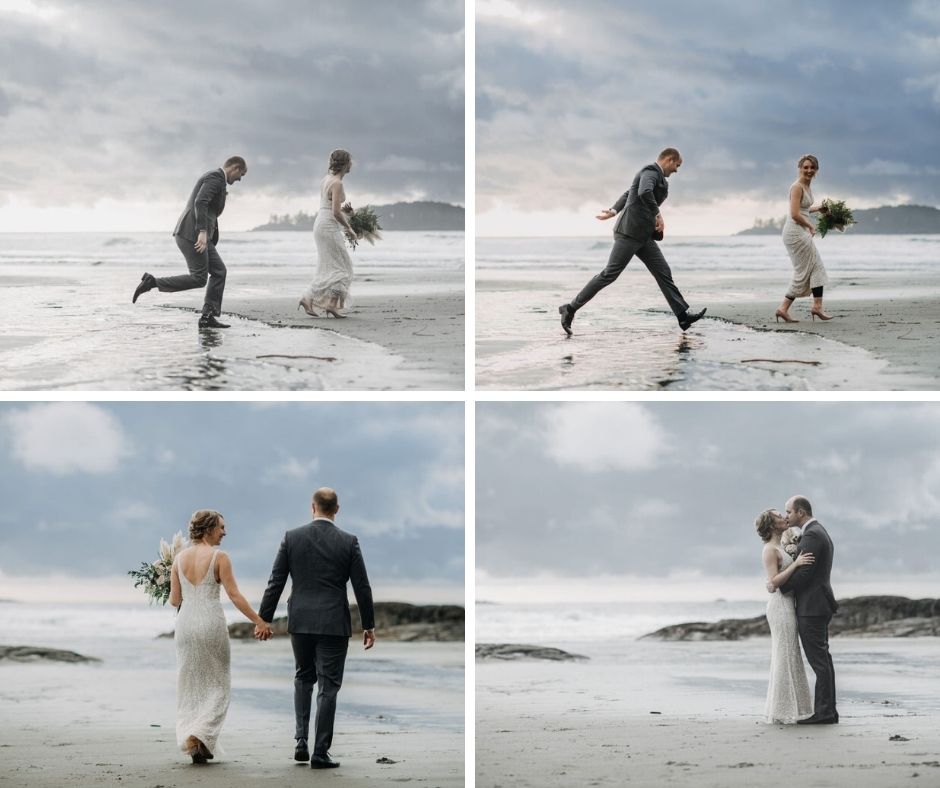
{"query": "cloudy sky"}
(659, 500)
(89, 490)
(573, 98)
(110, 110)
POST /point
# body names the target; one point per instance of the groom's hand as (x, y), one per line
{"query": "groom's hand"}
(368, 638)
(607, 213)
(201, 243)
(263, 631)
(660, 224)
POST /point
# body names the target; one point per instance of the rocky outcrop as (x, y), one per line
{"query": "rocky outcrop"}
(863, 616)
(37, 653)
(393, 621)
(509, 651)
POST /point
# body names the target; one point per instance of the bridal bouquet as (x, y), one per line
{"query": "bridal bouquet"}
(155, 577)
(790, 541)
(364, 223)
(835, 215)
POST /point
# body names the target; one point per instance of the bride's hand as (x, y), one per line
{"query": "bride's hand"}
(804, 559)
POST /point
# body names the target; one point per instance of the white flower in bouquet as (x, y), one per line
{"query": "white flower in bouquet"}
(790, 540)
(154, 577)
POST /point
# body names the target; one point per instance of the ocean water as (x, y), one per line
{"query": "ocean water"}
(843, 255)
(68, 321)
(624, 341)
(589, 623)
(405, 685)
(874, 675)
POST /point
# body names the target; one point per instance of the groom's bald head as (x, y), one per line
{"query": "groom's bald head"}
(325, 502)
(799, 510)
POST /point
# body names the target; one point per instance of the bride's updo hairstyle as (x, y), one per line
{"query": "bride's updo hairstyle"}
(201, 523)
(810, 158)
(339, 160)
(765, 524)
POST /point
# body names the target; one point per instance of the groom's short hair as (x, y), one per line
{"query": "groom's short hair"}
(670, 153)
(236, 161)
(326, 501)
(799, 502)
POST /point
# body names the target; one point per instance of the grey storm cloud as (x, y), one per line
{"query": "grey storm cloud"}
(582, 489)
(105, 98)
(571, 100)
(90, 489)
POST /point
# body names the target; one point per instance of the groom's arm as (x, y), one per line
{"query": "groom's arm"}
(809, 543)
(617, 207)
(361, 588)
(210, 189)
(648, 181)
(279, 574)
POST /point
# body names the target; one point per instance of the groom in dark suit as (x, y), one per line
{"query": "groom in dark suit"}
(815, 606)
(320, 559)
(636, 233)
(197, 233)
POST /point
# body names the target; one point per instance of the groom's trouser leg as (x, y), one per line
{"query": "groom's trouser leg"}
(304, 678)
(653, 258)
(330, 662)
(204, 267)
(814, 635)
(620, 255)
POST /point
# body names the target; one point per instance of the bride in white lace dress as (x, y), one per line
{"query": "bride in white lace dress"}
(809, 274)
(203, 682)
(329, 289)
(788, 695)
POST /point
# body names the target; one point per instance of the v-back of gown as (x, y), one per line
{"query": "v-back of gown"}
(808, 270)
(203, 679)
(788, 695)
(333, 279)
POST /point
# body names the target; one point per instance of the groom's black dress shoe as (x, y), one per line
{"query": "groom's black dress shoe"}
(323, 762)
(814, 720)
(567, 315)
(301, 753)
(147, 282)
(690, 318)
(209, 321)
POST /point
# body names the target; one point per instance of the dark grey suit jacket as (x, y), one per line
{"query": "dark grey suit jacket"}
(203, 208)
(642, 201)
(320, 559)
(814, 595)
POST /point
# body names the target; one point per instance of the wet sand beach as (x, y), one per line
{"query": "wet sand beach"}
(883, 337)
(100, 724)
(70, 324)
(691, 715)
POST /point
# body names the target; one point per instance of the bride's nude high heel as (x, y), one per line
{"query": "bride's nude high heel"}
(781, 315)
(333, 313)
(817, 311)
(305, 305)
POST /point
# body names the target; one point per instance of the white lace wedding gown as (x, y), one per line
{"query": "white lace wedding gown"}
(788, 696)
(203, 681)
(808, 270)
(334, 265)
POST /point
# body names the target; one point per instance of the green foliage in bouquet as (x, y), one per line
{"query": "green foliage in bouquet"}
(834, 216)
(155, 577)
(365, 224)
